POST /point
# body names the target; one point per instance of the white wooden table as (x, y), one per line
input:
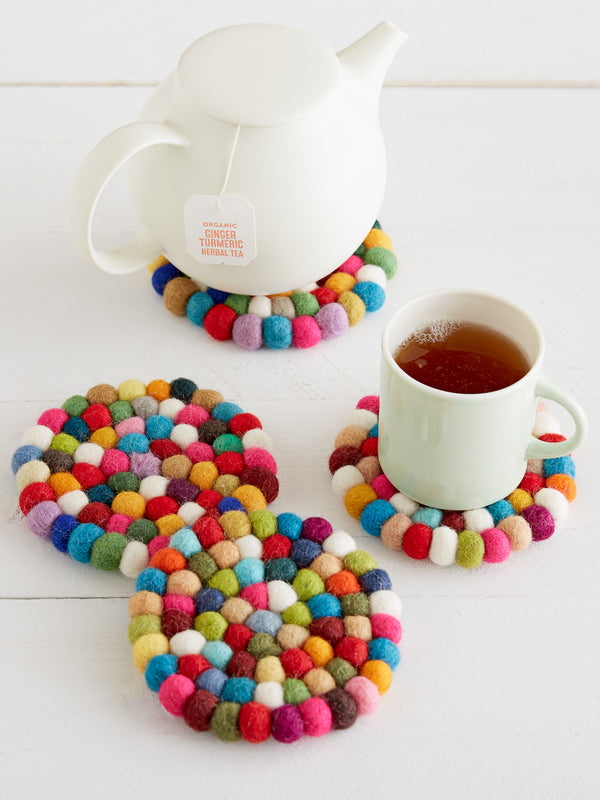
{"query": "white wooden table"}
(492, 120)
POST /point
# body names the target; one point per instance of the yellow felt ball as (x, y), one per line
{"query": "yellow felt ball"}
(131, 389)
(520, 499)
(169, 524)
(203, 474)
(226, 484)
(235, 524)
(63, 482)
(158, 262)
(131, 504)
(353, 306)
(250, 497)
(340, 282)
(148, 646)
(319, 650)
(358, 498)
(377, 238)
(269, 669)
(105, 437)
(160, 390)
(379, 673)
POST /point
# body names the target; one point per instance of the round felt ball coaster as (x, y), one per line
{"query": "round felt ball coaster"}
(531, 513)
(135, 475)
(300, 318)
(251, 654)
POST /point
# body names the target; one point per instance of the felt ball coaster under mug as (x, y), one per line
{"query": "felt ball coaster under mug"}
(255, 625)
(532, 512)
(114, 476)
(301, 318)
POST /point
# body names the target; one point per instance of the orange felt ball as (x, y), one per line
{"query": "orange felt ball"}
(63, 482)
(203, 474)
(319, 650)
(250, 497)
(168, 560)
(564, 484)
(379, 673)
(131, 504)
(358, 498)
(160, 390)
(105, 437)
(340, 282)
(343, 582)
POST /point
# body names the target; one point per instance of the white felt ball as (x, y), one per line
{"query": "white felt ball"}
(269, 693)
(89, 453)
(363, 418)
(184, 435)
(153, 486)
(310, 287)
(186, 643)
(135, 558)
(73, 503)
(32, 472)
(545, 422)
(339, 544)
(536, 465)
(403, 504)
(372, 273)
(478, 519)
(170, 407)
(345, 478)
(39, 436)
(555, 501)
(249, 546)
(256, 437)
(385, 601)
(444, 543)
(260, 305)
(281, 595)
(190, 513)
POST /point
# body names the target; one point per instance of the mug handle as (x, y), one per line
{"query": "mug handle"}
(539, 449)
(95, 172)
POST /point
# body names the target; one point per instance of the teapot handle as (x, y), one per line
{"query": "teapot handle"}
(95, 172)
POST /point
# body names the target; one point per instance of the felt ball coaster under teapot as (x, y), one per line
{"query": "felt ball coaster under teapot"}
(256, 625)
(531, 513)
(114, 476)
(302, 318)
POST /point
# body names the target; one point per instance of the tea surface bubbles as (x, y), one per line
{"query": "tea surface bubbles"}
(461, 357)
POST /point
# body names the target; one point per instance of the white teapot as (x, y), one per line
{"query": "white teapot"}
(256, 167)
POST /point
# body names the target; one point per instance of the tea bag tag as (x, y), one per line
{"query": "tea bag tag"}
(219, 229)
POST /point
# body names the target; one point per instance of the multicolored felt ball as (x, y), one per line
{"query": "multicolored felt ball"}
(250, 655)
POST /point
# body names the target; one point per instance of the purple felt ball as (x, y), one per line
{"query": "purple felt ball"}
(144, 464)
(41, 517)
(540, 521)
(247, 331)
(332, 319)
(317, 529)
(287, 724)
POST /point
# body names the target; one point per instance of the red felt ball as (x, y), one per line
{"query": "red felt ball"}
(237, 636)
(417, 540)
(296, 662)
(241, 665)
(343, 457)
(329, 628)
(97, 513)
(192, 664)
(88, 475)
(198, 709)
(325, 295)
(97, 416)
(454, 520)
(276, 546)
(208, 531)
(244, 422)
(263, 479)
(229, 463)
(531, 483)
(174, 621)
(254, 722)
(352, 649)
(209, 498)
(158, 507)
(552, 437)
(218, 321)
(370, 446)
(164, 448)
(33, 494)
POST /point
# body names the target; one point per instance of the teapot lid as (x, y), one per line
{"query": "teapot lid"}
(258, 74)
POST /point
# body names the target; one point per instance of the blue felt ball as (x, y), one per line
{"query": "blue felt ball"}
(262, 621)
(226, 411)
(101, 494)
(372, 295)
(159, 427)
(280, 569)
(374, 432)
(151, 580)
(209, 599)
(289, 525)
(185, 542)
(564, 465)
(197, 307)
(249, 571)
(61, 531)
(213, 680)
(162, 276)
(304, 552)
(229, 504)
(324, 605)
(218, 295)
(500, 509)
(428, 516)
(384, 650)
(159, 668)
(217, 653)
(277, 332)
(375, 514)
(134, 443)
(81, 540)
(76, 428)
(375, 580)
(25, 454)
(238, 690)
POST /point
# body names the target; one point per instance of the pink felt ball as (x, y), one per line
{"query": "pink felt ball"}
(332, 320)
(382, 487)
(370, 403)
(540, 521)
(130, 425)
(192, 415)
(41, 517)
(497, 545)
(247, 331)
(316, 715)
(114, 461)
(365, 694)
(351, 265)
(118, 523)
(179, 602)
(200, 451)
(257, 595)
(305, 332)
(156, 544)
(259, 457)
(287, 724)
(173, 693)
(53, 418)
(387, 627)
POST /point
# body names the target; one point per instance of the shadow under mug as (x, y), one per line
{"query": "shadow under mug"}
(461, 451)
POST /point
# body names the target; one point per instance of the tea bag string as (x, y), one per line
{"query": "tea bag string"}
(226, 181)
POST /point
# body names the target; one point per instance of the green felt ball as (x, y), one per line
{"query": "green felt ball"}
(305, 303)
(107, 551)
(297, 614)
(225, 580)
(65, 443)
(360, 251)
(341, 671)
(211, 625)
(307, 584)
(124, 482)
(264, 523)
(75, 406)
(239, 303)
(295, 691)
(469, 552)
(120, 410)
(142, 530)
(377, 224)
(384, 258)
(263, 644)
(227, 443)
(359, 562)
(142, 625)
(203, 565)
(354, 605)
(224, 721)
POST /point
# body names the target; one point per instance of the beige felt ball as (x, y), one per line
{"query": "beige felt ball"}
(184, 582)
(318, 681)
(290, 635)
(393, 530)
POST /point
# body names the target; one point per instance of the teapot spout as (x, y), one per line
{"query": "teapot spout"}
(367, 60)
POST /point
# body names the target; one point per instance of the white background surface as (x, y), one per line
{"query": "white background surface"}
(492, 120)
